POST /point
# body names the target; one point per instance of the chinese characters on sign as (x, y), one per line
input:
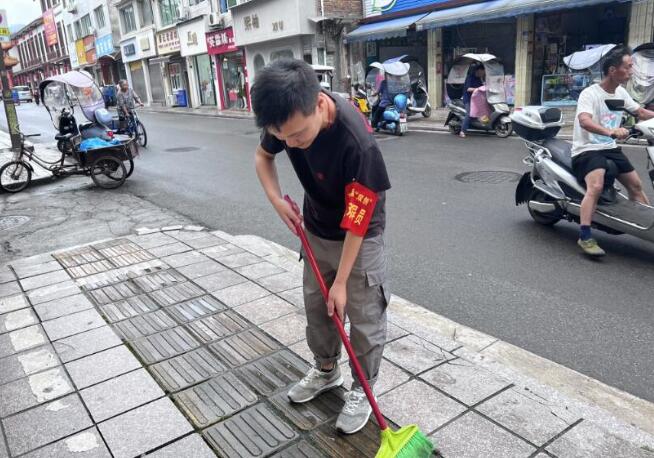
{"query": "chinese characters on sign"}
(168, 41)
(359, 206)
(221, 41)
(104, 45)
(5, 34)
(50, 28)
(251, 22)
(278, 26)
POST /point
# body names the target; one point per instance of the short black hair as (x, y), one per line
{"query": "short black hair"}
(283, 88)
(614, 58)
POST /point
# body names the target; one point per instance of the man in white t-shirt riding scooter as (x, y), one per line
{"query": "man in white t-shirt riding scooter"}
(593, 140)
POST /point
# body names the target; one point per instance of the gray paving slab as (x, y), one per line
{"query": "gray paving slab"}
(183, 235)
(144, 428)
(178, 373)
(33, 390)
(201, 269)
(532, 419)
(204, 241)
(587, 440)
(4, 453)
(86, 343)
(295, 296)
(128, 308)
(102, 366)
(11, 303)
(217, 326)
(85, 444)
(153, 240)
(423, 354)
(176, 294)
(120, 394)
(170, 249)
(184, 259)
(17, 319)
(27, 363)
(216, 399)
(9, 288)
(190, 446)
(45, 424)
(239, 260)
(75, 323)
(31, 260)
(244, 347)
(21, 340)
(259, 270)
(220, 280)
(288, 329)
(61, 307)
(240, 294)
(281, 282)
(265, 309)
(6, 275)
(144, 325)
(256, 431)
(472, 436)
(415, 402)
(394, 332)
(164, 345)
(37, 269)
(465, 381)
(220, 251)
(273, 372)
(52, 292)
(199, 307)
(50, 278)
(390, 376)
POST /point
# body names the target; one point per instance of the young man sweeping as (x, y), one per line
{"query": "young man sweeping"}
(344, 178)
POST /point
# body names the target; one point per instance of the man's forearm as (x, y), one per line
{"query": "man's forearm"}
(593, 128)
(351, 248)
(267, 173)
(644, 114)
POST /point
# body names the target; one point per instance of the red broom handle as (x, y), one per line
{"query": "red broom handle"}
(339, 326)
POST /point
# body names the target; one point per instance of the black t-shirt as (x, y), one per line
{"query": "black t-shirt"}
(343, 153)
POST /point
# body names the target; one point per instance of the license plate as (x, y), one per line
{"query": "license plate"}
(403, 127)
(402, 120)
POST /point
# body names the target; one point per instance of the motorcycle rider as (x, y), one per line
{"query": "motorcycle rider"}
(126, 100)
(593, 141)
(383, 100)
(474, 80)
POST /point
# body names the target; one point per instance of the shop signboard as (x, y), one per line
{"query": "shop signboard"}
(72, 53)
(270, 21)
(104, 45)
(376, 7)
(221, 41)
(192, 37)
(50, 28)
(139, 47)
(81, 52)
(5, 33)
(89, 48)
(167, 42)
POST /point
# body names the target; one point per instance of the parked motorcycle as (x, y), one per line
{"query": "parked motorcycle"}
(552, 192)
(360, 100)
(419, 96)
(398, 84)
(499, 120)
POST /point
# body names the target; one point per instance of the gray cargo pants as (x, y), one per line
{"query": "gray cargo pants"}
(367, 298)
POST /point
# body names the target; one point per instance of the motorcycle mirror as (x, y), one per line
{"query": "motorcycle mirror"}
(615, 104)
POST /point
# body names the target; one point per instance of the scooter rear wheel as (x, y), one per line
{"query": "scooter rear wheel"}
(503, 129)
(427, 112)
(454, 128)
(546, 219)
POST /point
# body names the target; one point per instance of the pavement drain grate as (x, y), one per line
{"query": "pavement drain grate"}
(12, 221)
(128, 308)
(164, 345)
(242, 348)
(488, 177)
(196, 308)
(177, 293)
(186, 370)
(159, 280)
(144, 325)
(254, 432)
(214, 400)
(363, 443)
(302, 449)
(218, 326)
(310, 415)
(182, 149)
(115, 293)
(273, 372)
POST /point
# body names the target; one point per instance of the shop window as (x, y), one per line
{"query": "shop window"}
(233, 75)
(259, 63)
(78, 30)
(205, 76)
(127, 18)
(168, 11)
(99, 16)
(281, 54)
(145, 11)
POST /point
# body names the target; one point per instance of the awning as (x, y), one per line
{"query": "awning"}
(385, 29)
(497, 9)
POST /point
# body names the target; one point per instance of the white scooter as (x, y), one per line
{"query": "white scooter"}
(552, 192)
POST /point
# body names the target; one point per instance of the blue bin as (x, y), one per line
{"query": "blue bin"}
(181, 98)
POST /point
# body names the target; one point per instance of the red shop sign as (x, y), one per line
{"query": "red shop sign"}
(221, 41)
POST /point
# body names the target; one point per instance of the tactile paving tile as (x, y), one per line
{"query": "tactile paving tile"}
(363, 443)
(242, 348)
(117, 247)
(196, 308)
(90, 268)
(78, 257)
(176, 293)
(144, 325)
(117, 275)
(164, 345)
(214, 400)
(188, 369)
(128, 308)
(217, 326)
(115, 293)
(159, 280)
(273, 372)
(310, 415)
(128, 259)
(255, 432)
(302, 449)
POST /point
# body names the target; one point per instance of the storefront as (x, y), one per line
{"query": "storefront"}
(173, 67)
(135, 52)
(110, 67)
(230, 69)
(193, 47)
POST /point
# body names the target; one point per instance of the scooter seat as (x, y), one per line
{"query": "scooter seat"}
(560, 151)
(458, 103)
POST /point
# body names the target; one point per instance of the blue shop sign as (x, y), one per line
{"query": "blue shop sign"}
(393, 6)
(104, 45)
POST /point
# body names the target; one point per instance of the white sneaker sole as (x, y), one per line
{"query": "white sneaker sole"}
(335, 384)
(359, 428)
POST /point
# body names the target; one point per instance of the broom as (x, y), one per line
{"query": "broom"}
(408, 441)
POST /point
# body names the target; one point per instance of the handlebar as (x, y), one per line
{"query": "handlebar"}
(31, 135)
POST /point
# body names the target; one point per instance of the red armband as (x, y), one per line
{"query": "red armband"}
(359, 205)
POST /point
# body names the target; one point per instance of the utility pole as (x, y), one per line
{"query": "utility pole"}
(10, 108)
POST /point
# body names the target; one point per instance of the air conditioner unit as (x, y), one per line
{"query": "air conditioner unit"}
(216, 20)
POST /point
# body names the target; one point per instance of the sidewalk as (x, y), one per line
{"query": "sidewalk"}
(179, 342)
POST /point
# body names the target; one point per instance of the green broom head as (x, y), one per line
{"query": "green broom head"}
(406, 442)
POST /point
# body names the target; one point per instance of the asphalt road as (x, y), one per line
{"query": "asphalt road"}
(459, 247)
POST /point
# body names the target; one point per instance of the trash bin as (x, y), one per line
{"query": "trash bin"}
(181, 98)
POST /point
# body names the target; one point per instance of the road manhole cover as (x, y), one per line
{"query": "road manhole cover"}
(488, 177)
(10, 222)
(182, 149)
